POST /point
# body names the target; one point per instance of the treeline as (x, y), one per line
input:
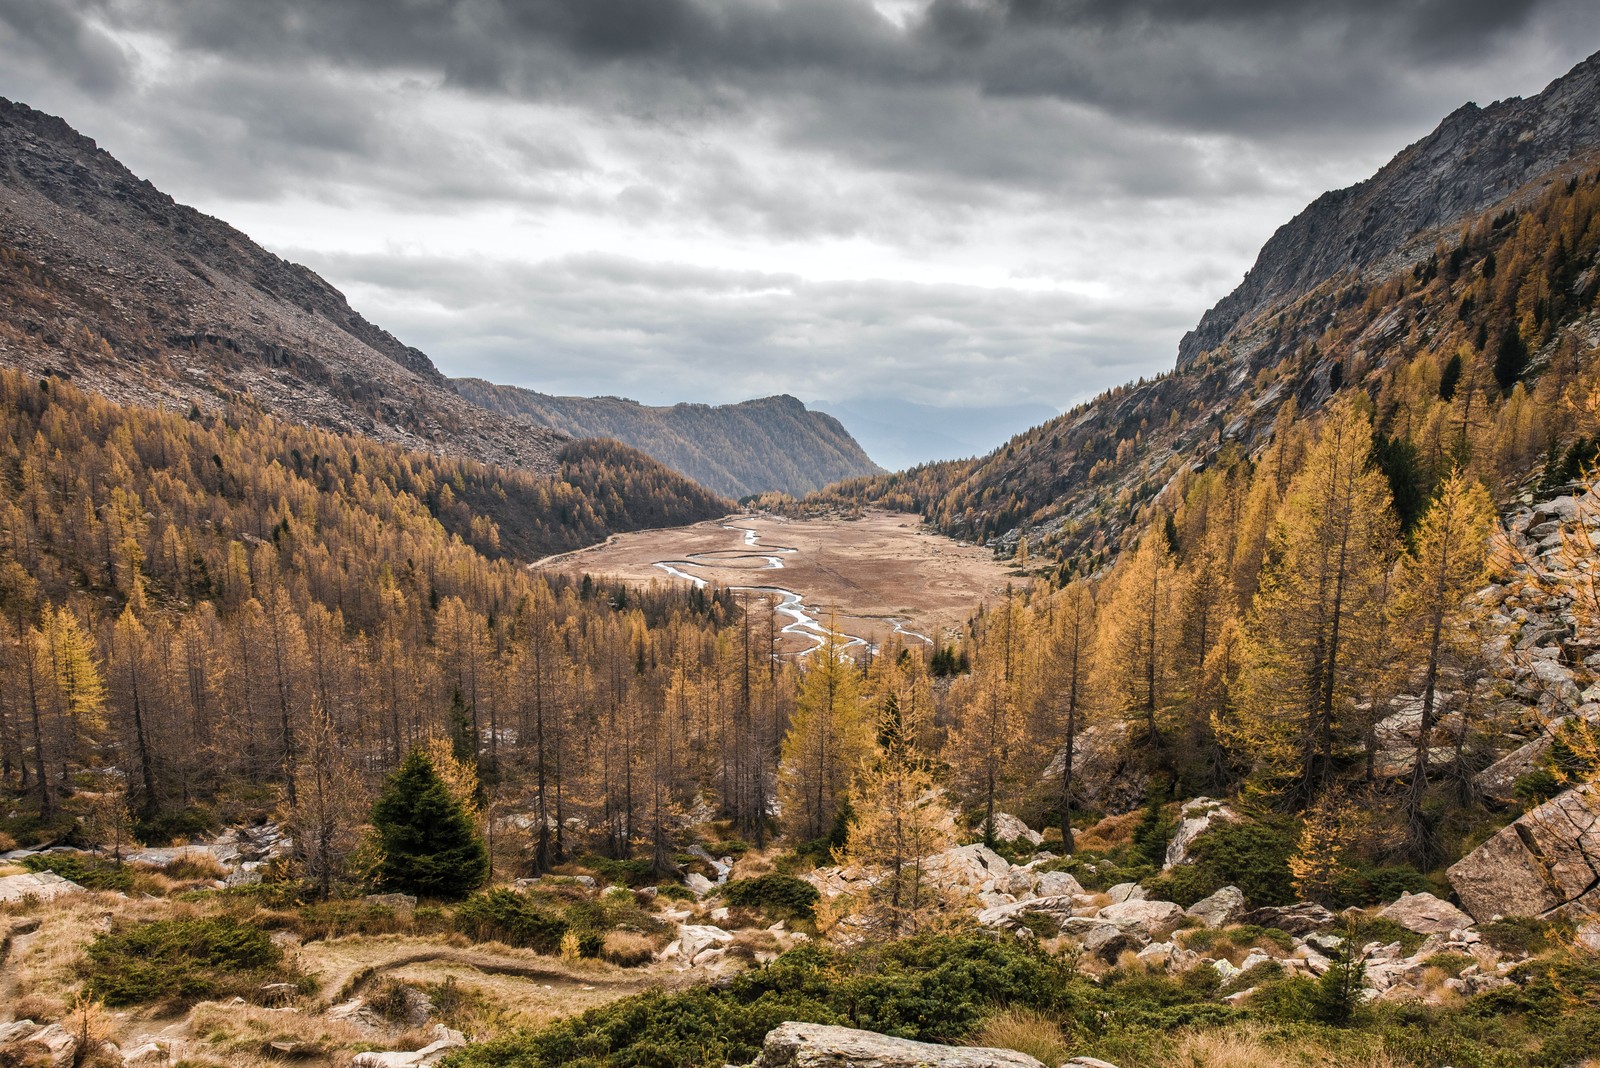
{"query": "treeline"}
(1471, 356)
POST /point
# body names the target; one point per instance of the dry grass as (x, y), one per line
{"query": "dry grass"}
(243, 1034)
(44, 966)
(630, 949)
(1256, 1047)
(1109, 832)
(1026, 1032)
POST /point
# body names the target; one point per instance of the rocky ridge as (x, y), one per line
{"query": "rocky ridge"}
(1477, 157)
(108, 281)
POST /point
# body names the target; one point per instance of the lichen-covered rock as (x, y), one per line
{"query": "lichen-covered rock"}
(445, 1042)
(1150, 917)
(1426, 914)
(1302, 919)
(1544, 864)
(804, 1045)
(1219, 909)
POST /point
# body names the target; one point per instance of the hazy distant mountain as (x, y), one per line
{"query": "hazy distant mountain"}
(900, 433)
(773, 443)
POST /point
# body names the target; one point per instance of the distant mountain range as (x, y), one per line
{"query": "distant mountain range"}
(900, 433)
(774, 443)
(108, 281)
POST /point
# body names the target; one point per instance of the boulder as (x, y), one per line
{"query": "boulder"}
(1007, 828)
(696, 939)
(1220, 909)
(1194, 819)
(972, 867)
(1126, 892)
(41, 886)
(804, 1045)
(1150, 917)
(146, 1055)
(698, 884)
(1108, 769)
(1302, 919)
(1545, 864)
(1426, 914)
(1013, 916)
(1105, 940)
(1057, 884)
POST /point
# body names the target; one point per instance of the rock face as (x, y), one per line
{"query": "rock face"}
(1426, 914)
(1475, 157)
(803, 1045)
(1544, 864)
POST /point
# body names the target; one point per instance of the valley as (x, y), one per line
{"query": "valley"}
(884, 573)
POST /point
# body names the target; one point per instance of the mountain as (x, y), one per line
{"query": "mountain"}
(774, 443)
(1477, 157)
(109, 281)
(902, 433)
(1458, 284)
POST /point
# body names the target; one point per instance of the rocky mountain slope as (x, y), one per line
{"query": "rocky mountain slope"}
(774, 443)
(1476, 158)
(109, 281)
(1477, 245)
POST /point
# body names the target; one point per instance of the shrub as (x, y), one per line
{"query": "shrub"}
(622, 872)
(168, 827)
(1253, 856)
(1184, 884)
(503, 915)
(1516, 934)
(775, 893)
(181, 960)
(87, 871)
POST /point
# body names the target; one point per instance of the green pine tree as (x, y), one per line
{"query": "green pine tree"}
(430, 847)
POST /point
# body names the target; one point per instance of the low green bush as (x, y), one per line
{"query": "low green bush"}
(621, 872)
(181, 961)
(89, 872)
(1252, 855)
(503, 915)
(1517, 934)
(774, 892)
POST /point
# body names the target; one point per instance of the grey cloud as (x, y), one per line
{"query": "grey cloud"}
(725, 335)
(61, 35)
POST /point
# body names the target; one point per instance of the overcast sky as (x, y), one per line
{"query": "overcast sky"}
(961, 202)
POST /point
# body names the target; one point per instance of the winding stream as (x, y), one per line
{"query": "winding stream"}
(804, 622)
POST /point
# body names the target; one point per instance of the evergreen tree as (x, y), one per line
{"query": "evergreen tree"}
(430, 847)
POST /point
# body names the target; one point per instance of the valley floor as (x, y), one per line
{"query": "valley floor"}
(883, 571)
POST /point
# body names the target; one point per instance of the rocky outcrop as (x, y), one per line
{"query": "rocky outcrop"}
(804, 1045)
(40, 886)
(1219, 909)
(1194, 819)
(1547, 863)
(1007, 828)
(1301, 919)
(27, 1043)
